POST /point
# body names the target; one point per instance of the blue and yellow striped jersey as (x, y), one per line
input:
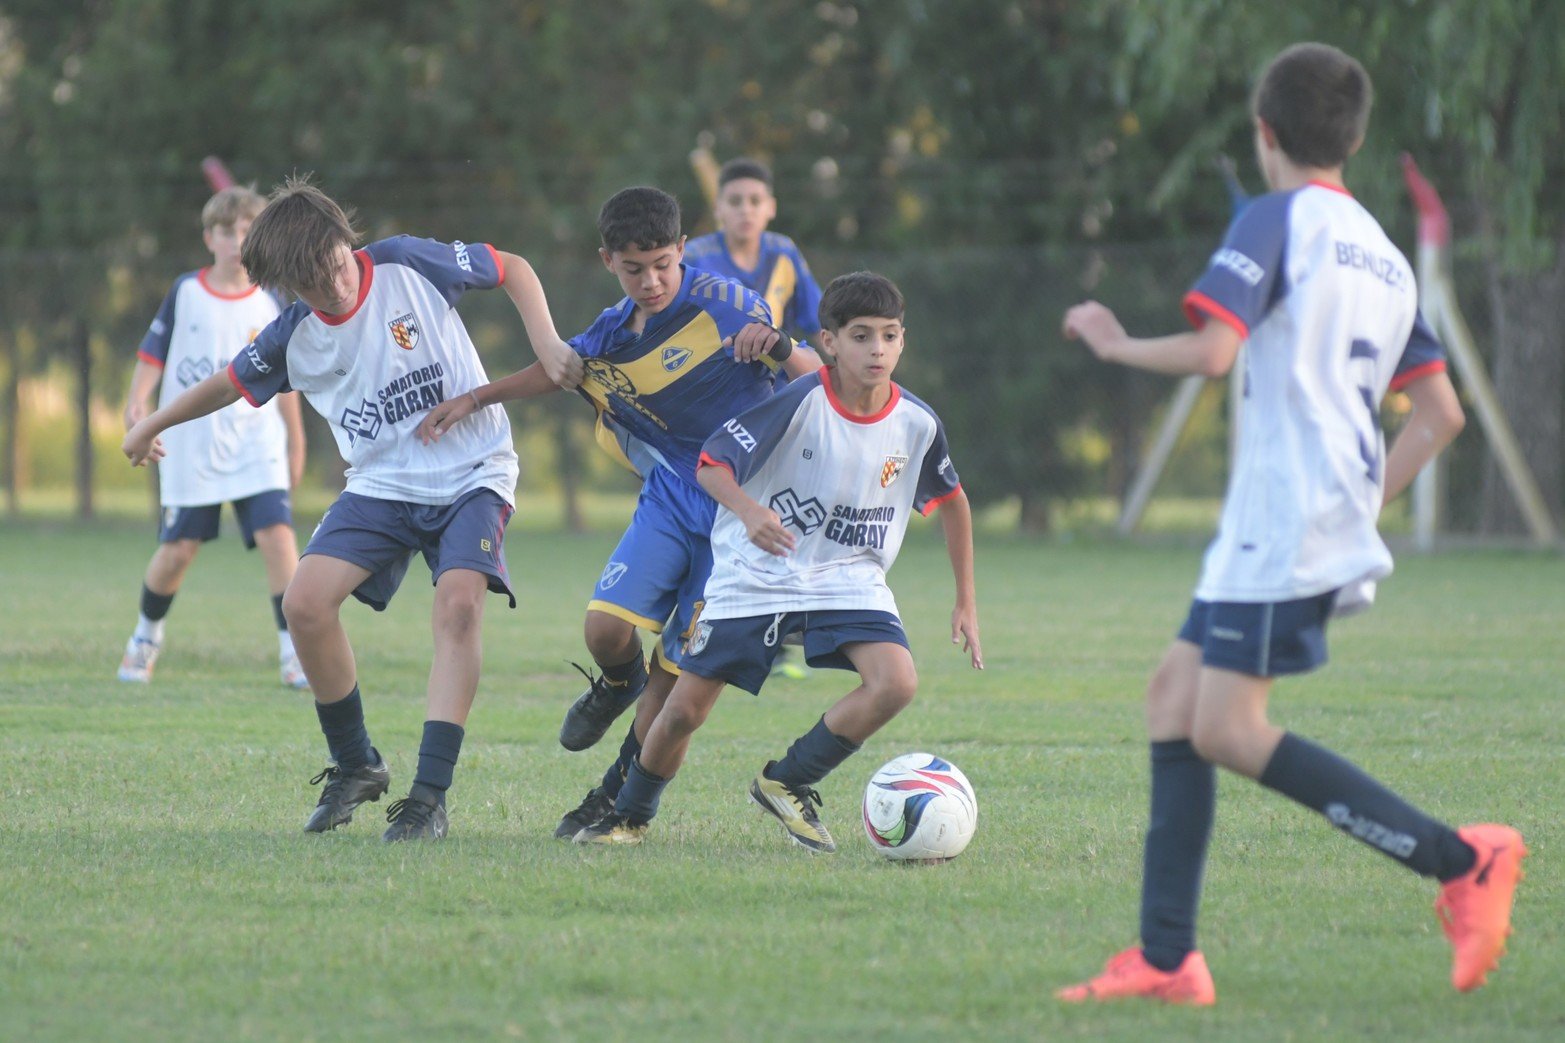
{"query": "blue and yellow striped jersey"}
(781, 276)
(661, 392)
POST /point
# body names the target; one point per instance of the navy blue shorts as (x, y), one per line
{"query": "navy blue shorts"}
(658, 572)
(1262, 639)
(261, 511)
(383, 535)
(740, 651)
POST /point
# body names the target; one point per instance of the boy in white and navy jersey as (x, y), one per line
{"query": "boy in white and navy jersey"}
(815, 488)
(745, 248)
(1328, 308)
(374, 343)
(250, 458)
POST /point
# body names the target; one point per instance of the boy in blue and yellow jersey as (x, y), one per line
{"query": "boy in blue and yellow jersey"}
(681, 354)
(743, 249)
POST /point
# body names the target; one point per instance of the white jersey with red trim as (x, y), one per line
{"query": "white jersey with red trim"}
(374, 372)
(237, 451)
(1330, 311)
(844, 484)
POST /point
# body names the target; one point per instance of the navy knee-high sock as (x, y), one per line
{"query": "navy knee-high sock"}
(437, 755)
(614, 778)
(342, 722)
(638, 797)
(1364, 808)
(812, 756)
(1184, 798)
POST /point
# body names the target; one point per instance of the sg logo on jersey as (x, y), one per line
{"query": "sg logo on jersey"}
(891, 469)
(193, 371)
(404, 330)
(673, 358)
(804, 515)
(361, 423)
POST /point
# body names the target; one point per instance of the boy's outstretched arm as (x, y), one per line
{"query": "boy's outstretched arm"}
(766, 529)
(563, 366)
(1208, 352)
(524, 383)
(142, 444)
(956, 518)
(1437, 418)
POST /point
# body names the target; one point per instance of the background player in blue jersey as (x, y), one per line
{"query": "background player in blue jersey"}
(1329, 310)
(250, 458)
(815, 486)
(682, 352)
(374, 343)
(744, 248)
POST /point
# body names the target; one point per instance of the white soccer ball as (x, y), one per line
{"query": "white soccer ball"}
(919, 808)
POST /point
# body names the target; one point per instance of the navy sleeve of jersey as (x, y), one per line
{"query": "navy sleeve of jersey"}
(806, 303)
(261, 370)
(937, 478)
(1424, 354)
(154, 346)
(745, 442)
(1244, 278)
(453, 268)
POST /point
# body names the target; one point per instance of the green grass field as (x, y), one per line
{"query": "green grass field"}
(156, 885)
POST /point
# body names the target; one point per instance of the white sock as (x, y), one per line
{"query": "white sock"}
(284, 645)
(149, 629)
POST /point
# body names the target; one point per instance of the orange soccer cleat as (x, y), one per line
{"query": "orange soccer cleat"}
(1129, 974)
(1475, 908)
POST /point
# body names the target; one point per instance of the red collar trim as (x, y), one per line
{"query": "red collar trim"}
(836, 403)
(219, 294)
(1329, 186)
(366, 276)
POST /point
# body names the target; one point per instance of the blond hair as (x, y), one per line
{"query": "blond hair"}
(231, 204)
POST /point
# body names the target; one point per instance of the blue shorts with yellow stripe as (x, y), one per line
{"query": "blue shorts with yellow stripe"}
(657, 575)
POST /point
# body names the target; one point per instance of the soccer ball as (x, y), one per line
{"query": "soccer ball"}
(919, 808)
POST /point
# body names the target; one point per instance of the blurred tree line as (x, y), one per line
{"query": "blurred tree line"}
(1000, 158)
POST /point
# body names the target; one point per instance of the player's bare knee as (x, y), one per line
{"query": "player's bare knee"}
(894, 691)
(1220, 741)
(608, 638)
(178, 554)
(682, 716)
(305, 610)
(458, 614)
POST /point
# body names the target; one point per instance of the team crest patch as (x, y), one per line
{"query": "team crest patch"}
(404, 330)
(891, 469)
(673, 358)
(613, 572)
(699, 639)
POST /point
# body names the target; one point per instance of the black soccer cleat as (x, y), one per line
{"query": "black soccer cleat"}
(417, 816)
(595, 709)
(597, 804)
(613, 828)
(346, 790)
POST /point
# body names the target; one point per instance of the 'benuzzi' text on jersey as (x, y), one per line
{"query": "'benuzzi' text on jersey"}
(1330, 312)
(845, 484)
(374, 372)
